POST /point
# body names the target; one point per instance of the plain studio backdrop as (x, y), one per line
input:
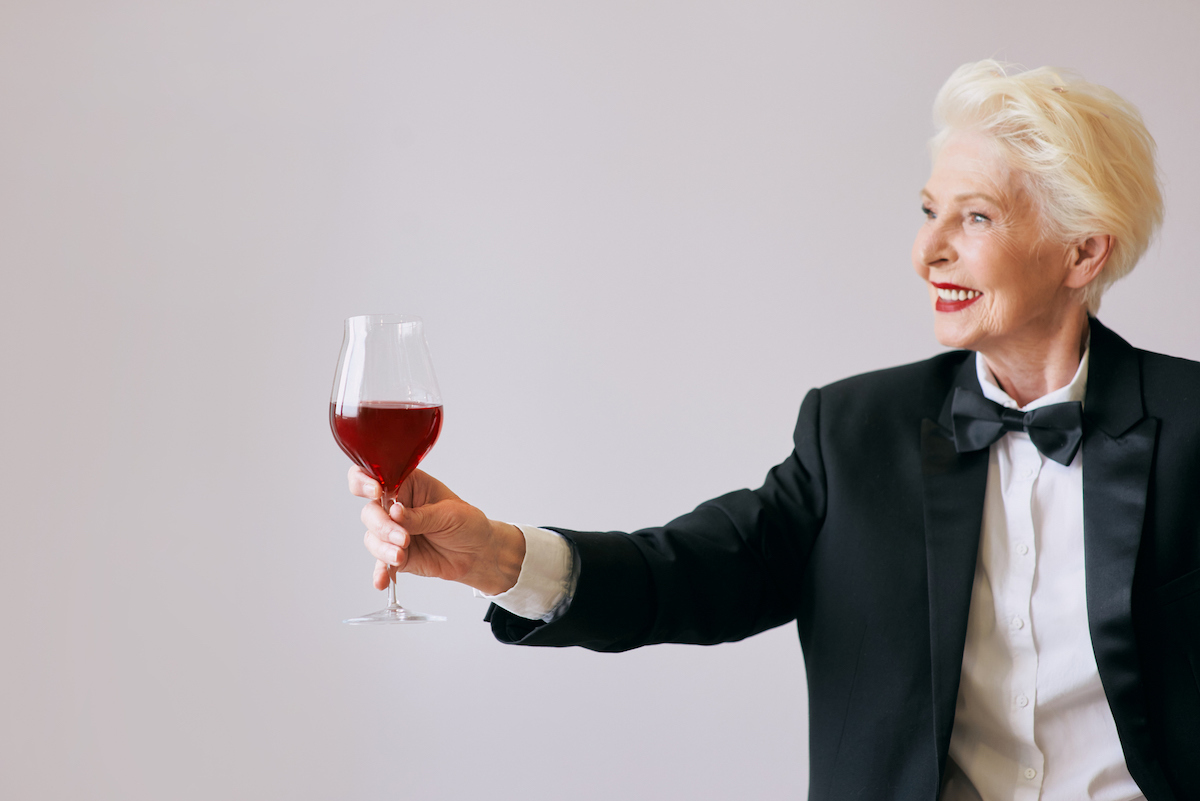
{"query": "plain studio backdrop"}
(638, 232)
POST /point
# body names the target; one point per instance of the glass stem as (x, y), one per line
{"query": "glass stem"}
(388, 499)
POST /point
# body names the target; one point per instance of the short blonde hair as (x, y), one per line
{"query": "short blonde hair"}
(1083, 150)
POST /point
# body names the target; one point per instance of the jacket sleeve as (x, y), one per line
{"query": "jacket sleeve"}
(725, 571)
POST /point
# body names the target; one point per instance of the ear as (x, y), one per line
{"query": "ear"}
(1088, 259)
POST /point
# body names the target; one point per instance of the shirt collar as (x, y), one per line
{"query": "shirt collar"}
(1073, 391)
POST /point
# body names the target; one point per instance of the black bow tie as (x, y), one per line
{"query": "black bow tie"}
(1056, 430)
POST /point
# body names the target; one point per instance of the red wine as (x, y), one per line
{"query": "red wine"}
(387, 439)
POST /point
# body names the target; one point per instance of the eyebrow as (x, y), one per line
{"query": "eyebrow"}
(967, 196)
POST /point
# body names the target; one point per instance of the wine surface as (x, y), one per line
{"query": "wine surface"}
(387, 439)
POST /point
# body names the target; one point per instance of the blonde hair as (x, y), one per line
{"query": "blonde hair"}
(1084, 152)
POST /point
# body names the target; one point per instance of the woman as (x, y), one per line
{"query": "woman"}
(992, 557)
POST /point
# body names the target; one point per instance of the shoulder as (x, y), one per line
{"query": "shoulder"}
(882, 409)
(1169, 384)
(1156, 364)
(922, 384)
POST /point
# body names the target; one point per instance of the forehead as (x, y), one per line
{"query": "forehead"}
(970, 164)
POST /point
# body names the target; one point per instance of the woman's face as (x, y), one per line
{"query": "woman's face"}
(994, 282)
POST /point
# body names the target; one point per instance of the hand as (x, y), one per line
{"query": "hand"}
(430, 531)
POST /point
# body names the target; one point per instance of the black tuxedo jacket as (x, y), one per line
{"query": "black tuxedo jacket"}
(867, 535)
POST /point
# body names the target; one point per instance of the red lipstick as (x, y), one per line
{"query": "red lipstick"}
(944, 305)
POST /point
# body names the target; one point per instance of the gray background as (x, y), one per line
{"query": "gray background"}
(637, 231)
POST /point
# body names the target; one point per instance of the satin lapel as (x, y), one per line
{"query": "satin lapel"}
(1118, 455)
(954, 486)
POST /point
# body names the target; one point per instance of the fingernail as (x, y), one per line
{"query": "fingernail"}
(393, 555)
(396, 536)
(397, 507)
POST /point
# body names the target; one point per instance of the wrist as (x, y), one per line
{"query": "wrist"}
(508, 554)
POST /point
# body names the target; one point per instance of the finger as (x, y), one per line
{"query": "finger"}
(419, 520)
(382, 526)
(382, 576)
(381, 550)
(420, 488)
(361, 484)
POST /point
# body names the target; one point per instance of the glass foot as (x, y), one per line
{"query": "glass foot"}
(394, 614)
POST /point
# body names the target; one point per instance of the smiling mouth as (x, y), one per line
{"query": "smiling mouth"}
(952, 298)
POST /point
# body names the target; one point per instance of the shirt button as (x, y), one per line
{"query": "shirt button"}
(1022, 549)
(1016, 624)
(1023, 702)
(1027, 472)
(1030, 773)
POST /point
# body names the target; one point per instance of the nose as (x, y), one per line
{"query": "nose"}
(933, 248)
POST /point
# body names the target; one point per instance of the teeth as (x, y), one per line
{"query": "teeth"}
(957, 294)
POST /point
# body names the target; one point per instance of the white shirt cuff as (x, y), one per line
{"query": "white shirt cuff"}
(544, 582)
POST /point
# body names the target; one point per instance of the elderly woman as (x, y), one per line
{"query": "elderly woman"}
(993, 556)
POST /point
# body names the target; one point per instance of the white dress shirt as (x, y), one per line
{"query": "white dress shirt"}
(1032, 722)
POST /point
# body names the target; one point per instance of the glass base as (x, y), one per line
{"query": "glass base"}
(395, 613)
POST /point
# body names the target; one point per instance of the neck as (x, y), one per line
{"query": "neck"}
(1028, 370)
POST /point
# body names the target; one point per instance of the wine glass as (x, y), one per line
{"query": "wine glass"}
(386, 413)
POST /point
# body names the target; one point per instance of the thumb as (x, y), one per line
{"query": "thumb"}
(414, 520)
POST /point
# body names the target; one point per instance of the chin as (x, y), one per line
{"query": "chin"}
(951, 336)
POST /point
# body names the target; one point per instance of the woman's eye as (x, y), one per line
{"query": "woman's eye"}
(976, 217)
(928, 212)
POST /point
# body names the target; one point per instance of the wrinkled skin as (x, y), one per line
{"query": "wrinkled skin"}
(983, 231)
(430, 531)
